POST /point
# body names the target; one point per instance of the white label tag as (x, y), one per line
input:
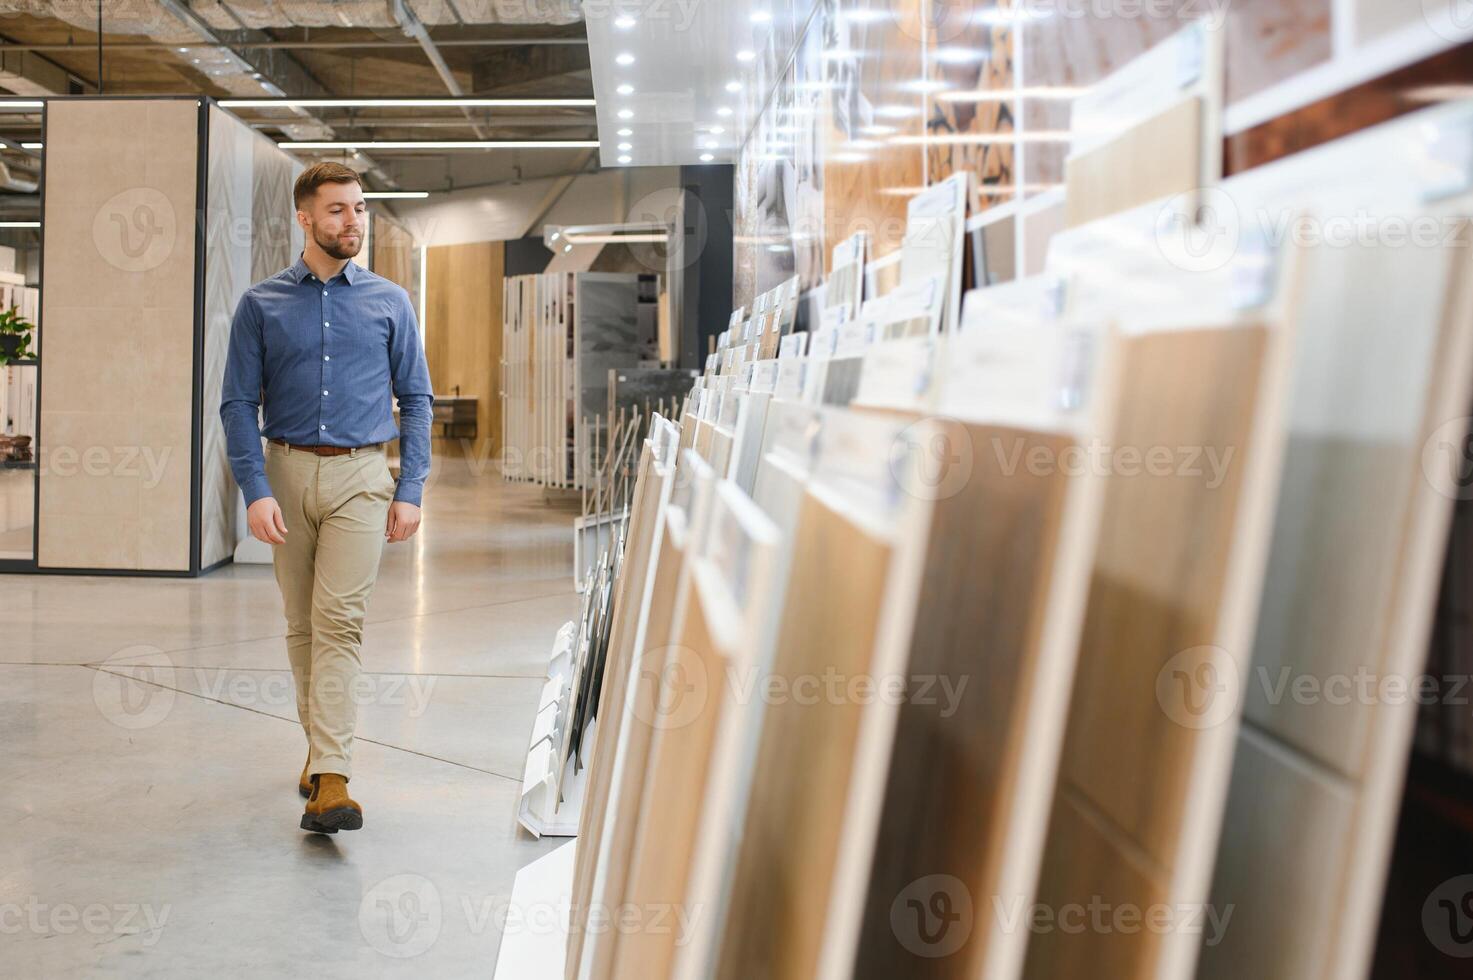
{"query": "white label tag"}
(1191, 55)
(1253, 272)
(1446, 164)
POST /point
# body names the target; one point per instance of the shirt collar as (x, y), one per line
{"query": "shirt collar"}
(300, 271)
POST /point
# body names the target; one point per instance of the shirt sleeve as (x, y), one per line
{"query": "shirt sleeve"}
(240, 402)
(411, 379)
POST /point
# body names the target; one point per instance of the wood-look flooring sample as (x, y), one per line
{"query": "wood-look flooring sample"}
(951, 802)
(624, 815)
(680, 753)
(645, 510)
(1381, 372)
(1167, 588)
(1157, 159)
(784, 867)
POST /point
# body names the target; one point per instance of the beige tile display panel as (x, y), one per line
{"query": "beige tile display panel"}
(1167, 576)
(119, 313)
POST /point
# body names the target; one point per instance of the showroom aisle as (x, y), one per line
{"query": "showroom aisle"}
(151, 753)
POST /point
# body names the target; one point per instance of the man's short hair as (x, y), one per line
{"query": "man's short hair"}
(317, 175)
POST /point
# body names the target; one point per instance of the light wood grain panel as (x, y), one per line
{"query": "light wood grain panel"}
(680, 754)
(1170, 563)
(643, 523)
(1157, 159)
(623, 818)
(1347, 601)
(950, 803)
(463, 301)
(785, 864)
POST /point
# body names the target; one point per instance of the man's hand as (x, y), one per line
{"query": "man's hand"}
(403, 521)
(264, 519)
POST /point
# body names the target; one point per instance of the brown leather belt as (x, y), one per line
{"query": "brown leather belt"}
(326, 450)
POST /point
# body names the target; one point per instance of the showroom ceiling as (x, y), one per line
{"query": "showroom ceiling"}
(504, 50)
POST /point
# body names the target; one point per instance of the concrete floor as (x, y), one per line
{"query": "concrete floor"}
(149, 752)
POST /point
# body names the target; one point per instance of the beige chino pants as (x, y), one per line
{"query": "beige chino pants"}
(336, 509)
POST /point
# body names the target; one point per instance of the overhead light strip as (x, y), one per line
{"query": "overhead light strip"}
(20, 224)
(442, 145)
(469, 103)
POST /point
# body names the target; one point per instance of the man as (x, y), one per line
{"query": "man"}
(321, 345)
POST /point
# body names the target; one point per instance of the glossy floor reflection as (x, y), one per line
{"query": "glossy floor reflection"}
(147, 782)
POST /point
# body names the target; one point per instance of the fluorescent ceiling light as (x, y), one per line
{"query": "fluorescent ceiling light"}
(733, 86)
(624, 23)
(626, 131)
(626, 113)
(761, 17)
(395, 195)
(717, 130)
(567, 248)
(724, 111)
(746, 55)
(8, 104)
(466, 103)
(441, 145)
(20, 224)
(624, 159)
(33, 146)
(625, 89)
(707, 158)
(626, 146)
(624, 58)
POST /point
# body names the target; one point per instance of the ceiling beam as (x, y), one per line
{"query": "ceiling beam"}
(284, 73)
(411, 26)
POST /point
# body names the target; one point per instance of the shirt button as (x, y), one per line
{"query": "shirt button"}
(326, 324)
(327, 357)
(322, 427)
(324, 392)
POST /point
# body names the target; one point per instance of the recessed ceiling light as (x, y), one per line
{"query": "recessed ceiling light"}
(626, 113)
(567, 248)
(707, 158)
(624, 159)
(717, 130)
(625, 89)
(733, 86)
(626, 131)
(761, 17)
(624, 59)
(183, 50)
(746, 55)
(712, 144)
(624, 23)
(723, 112)
(626, 146)
(555, 236)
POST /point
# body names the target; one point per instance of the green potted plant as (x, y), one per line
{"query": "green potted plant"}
(15, 336)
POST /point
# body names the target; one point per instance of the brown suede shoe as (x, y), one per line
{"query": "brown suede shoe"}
(331, 809)
(304, 785)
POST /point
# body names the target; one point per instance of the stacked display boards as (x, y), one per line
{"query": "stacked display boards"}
(952, 636)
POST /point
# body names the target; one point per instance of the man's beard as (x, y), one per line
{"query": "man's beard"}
(336, 248)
